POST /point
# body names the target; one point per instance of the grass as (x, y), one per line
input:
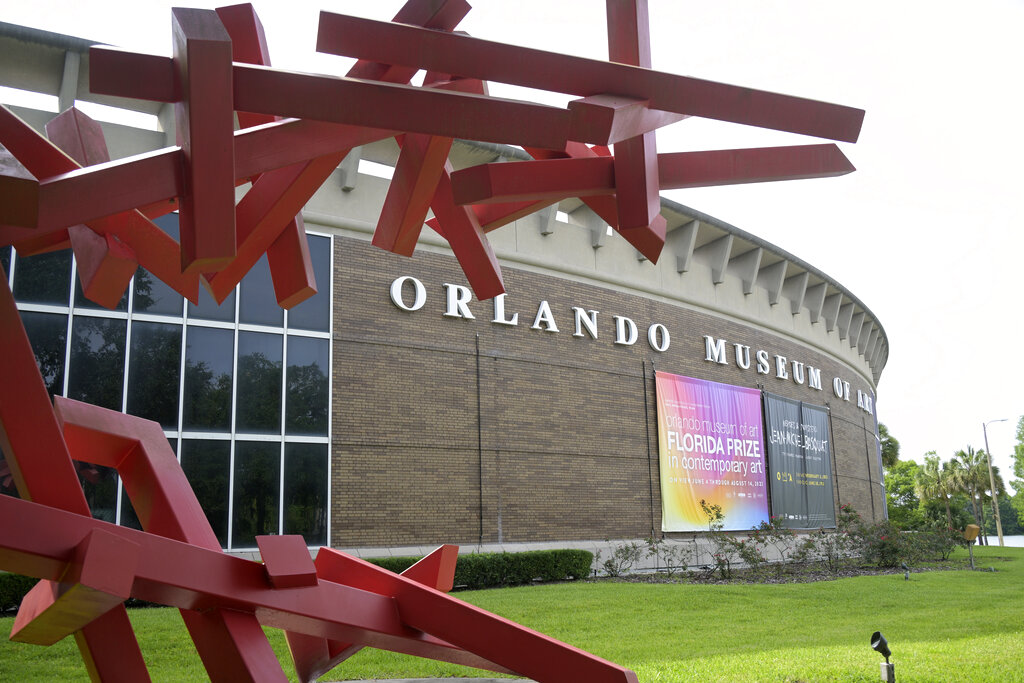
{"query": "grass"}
(941, 626)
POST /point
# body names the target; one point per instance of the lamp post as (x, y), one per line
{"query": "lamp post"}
(992, 478)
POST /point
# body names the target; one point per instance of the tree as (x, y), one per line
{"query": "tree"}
(934, 481)
(1018, 469)
(971, 477)
(890, 447)
(901, 497)
(1010, 519)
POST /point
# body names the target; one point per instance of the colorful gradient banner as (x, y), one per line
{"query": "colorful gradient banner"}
(711, 448)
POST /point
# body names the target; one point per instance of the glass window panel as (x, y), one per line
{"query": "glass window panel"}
(7, 487)
(259, 383)
(258, 305)
(209, 310)
(208, 375)
(44, 278)
(306, 399)
(305, 491)
(152, 295)
(315, 313)
(257, 486)
(128, 516)
(154, 371)
(100, 486)
(82, 301)
(169, 223)
(48, 334)
(5, 260)
(97, 361)
(206, 465)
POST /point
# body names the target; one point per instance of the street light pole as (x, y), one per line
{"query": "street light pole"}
(992, 479)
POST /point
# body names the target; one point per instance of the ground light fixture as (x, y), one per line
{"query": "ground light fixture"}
(881, 645)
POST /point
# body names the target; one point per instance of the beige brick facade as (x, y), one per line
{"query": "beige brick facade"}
(455, 430)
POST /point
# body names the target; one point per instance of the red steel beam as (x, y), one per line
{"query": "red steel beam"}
(291, 285)
(154, 77)
(557, 179)
(649, 241)
(414, 184)
(105, 265)
(287, 561)
(493, 216)
(167, 506)
(248, 45)
(467, 240)
(19, 190)
(622, 117)
(195, 578)
(314, 657)
(265, 212)
(401, 107)
(151, 245)
(411, 191)
(472, 57)
(351, 101)
(82, 195)
(263, 215)
(98, 579)
(636, 159)
(205, 121)
(231, 646)
(261, 210)
(78, 136)
(504, 642)
(42, 471)
(291, 268)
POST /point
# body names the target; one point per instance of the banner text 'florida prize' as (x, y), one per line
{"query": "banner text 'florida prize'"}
(711, 448)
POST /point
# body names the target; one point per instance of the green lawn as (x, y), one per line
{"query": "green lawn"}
(941, 626)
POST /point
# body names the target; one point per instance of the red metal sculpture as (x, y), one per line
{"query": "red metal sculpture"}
(294, 130)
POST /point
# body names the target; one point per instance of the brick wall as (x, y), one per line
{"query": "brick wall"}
(455, 430)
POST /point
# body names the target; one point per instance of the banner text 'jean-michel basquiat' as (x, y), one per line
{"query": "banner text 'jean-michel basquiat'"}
(800, 460)
(711, 448)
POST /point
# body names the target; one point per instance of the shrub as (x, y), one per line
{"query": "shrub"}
(944, 540)
(395, 564)
(749, 553)
(773, 534)
(886, 545)
(725, 550)
(831, 548)
(622, 559)
(835, 548)
(883, 543)
(12, 589)
(490, 570)
(672, 557)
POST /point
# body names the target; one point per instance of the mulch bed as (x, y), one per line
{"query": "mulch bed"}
(791, 575)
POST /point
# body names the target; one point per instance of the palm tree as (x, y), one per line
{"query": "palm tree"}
(971, 477)
(935, 482)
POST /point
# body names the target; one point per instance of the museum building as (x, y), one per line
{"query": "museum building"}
(393, 409)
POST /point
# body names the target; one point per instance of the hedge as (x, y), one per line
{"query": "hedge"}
(491, 570)
(12, 589)
(479, 570)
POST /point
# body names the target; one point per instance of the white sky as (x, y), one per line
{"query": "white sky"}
(928, 231)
